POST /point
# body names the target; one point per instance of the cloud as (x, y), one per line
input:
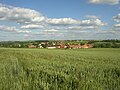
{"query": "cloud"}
(31, 19)
(31, 26)
(20, 15)
(70, 21)
(12, 29)
(110, 2)
(95, 22)
(117, 18)
(6, 28)
(106, 32)
(43, 27)
(117, 25)
(51, 30)
(92, 17)
(62, 21)
(82, 28)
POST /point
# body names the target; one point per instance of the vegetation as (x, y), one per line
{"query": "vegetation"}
(46, 43)
(106, 45)
(43, 69)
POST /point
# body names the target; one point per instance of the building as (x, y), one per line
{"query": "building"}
(87, 46)
(51, 47)
(32, 46)
(57, 46)
(74, 46)
(40, 46)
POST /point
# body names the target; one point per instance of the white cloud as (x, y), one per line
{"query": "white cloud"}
(12, 29)
(6, 28)
(23, 31)
(92, 16)
(82, 27)
(31, 26)
(20, 15)
(62, 21)
(31, 19)
(110, 2)
(70, 21)
(117, 18)
(95, 22)
(51, 30)
(117, 25)
(106, 32)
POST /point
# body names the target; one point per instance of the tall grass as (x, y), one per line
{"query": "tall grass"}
(43, 69)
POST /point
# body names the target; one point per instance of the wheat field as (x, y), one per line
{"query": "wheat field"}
(59, 69)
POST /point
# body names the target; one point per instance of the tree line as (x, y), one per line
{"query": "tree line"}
(96, 43)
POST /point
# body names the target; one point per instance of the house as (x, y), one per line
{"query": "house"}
(57, 46)
(19, 45)
(32, 46)
(40, 46)
(87, 46)
(51, 47)
(62, 45)
(74, 46)
(90, 45)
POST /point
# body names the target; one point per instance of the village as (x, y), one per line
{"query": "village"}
(59, 45)
(62, 44)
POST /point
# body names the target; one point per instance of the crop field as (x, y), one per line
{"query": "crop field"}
(57, 69)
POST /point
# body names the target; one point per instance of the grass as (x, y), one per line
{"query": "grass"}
(43, 69)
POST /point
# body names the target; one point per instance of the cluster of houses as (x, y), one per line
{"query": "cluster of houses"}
(73, 46)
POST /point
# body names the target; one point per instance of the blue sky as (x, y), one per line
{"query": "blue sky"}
(59, 19)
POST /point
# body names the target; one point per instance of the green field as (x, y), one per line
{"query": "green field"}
(43, 69)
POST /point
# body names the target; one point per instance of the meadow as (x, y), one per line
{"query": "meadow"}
(59, 69)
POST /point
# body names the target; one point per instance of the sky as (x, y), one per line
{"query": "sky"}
(59, 20)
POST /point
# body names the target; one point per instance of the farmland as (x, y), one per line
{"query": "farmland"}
(43, 69)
